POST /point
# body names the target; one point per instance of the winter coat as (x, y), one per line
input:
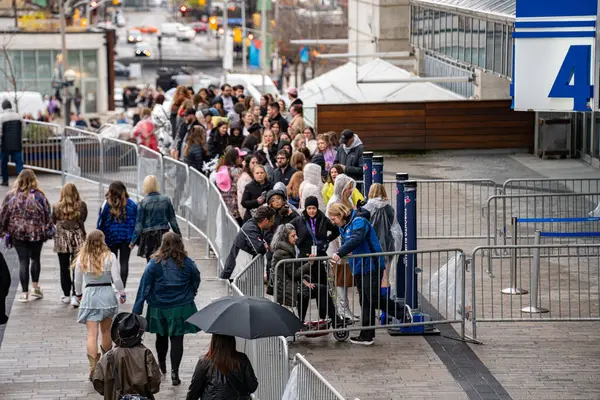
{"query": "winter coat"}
(252, 193)
(289, 275)
(283, 124)
(144, 133)
(11, 131)
(285, 175)
(326, 232)
(382, 219)
(242, 182)
(351, 158)
(297, 124)
(5, 281)
(217, 144)
(270, 154)
(327, 193)
(117, 231)
(359, 237)
(340, 184)
(137, 372)
(162, 127)
(26, 216)
(196, 157)
(210, 384)
(237, 141)
(251, 239)
(312, 185)
(181, 135)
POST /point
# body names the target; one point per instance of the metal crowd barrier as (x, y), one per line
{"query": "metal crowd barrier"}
(309, 286)
(307, 383)
(250, 278)
(536, 283)
(42, 146)
(270, 361)
(120, 162)
(551, 185)
(501, 209)
(82, 157)
(150, 162)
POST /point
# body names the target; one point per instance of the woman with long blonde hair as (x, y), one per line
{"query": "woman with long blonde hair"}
(69, 216)
(117, 221)
(25, 220)
(96, 270)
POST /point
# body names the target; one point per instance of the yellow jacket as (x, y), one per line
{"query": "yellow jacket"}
(327, 192)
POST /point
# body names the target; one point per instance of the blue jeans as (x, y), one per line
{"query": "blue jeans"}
(17, 158)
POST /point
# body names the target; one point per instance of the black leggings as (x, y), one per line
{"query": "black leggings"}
(123, 251)
(67, 273)
(28, 251)
(162, 346)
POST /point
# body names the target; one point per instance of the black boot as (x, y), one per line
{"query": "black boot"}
(162, 364)
(175, 378)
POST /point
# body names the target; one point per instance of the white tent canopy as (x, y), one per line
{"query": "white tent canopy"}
(340, 86)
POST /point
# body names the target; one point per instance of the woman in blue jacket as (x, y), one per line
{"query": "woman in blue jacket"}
(169, 285)
(359, 237)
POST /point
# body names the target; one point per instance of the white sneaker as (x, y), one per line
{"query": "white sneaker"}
(74, 302)
(65, 299)
(23, 298)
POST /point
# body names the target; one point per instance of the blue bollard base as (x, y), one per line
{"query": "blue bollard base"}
(415, 330)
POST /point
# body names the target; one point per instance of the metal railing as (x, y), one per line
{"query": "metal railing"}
(551, 185)
(437, 65)
(249, 279)
(42, 146)
(307, 383)
(440, 275)
(557, 283)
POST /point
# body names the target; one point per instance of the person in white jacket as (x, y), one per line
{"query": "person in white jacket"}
(342, 193)
(162, 125)
(312, 185)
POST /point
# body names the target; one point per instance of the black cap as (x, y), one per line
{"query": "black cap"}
(311, 201)
(347, 134)
(254, 127)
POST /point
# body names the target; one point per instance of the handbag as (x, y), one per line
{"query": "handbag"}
(343, 275)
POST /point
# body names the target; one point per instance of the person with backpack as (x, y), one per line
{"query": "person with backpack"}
(129, 370)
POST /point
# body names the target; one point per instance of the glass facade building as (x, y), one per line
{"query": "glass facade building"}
(34, 70)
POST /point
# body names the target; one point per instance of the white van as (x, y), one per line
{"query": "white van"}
(170, 28)
(28, 102)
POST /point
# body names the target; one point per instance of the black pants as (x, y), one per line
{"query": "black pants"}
(369, 295)
(162, 346)
(67, 274)
(28, 252)
(122, 251)
(324, 303)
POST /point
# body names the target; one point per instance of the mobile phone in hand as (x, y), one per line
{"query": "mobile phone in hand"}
(313, 250)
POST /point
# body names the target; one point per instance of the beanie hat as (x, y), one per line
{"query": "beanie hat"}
(311, 201)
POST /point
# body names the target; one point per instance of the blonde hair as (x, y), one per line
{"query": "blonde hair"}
(293, 188)
(339, 210)
(93, 253)
(378, 190)
(27, 181)
(69, 205)
(150, 184)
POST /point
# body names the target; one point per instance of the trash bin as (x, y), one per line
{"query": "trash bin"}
(554, 137)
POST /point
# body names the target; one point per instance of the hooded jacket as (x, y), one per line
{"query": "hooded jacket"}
(359, 237)
(339, 185)
(217, 143)
(162, 128)
(236, 141)
(326, 231)
(251, 239)
(251, 194)
(210, 384)
(137, 372)
(382, 219)
(351, 157)
(312, 185)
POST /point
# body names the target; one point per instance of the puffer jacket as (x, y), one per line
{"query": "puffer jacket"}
(289, 275)
(359, 237)
(196, 157)
(312, 185)
(210, 384)
(11, 131)
(137, 371)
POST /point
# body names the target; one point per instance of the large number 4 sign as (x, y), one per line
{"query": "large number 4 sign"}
(576, 69)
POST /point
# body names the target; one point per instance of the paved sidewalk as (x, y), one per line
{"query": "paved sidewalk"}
(43, 353)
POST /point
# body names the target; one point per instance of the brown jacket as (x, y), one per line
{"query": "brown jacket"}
(137, 372)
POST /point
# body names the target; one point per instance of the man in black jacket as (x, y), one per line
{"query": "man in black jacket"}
(284, 170)
(11, 133)
(250, 238)
(350, 155)
(274, 116)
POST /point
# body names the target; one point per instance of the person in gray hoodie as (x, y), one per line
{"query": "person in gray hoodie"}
(350, 155)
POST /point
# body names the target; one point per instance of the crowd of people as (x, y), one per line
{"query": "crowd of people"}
(92, 263)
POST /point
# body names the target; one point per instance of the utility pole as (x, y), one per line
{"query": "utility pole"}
(244, 35)
(263, 38)
(225, 35)
(65, 60)
(14, 6)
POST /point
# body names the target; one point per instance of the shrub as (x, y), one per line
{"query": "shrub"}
(38, 133)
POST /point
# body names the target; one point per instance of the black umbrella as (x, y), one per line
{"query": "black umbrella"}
(246, 317)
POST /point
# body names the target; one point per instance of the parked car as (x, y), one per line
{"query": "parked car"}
(199, 27)
(170, 28)
(185, 33)
(147, 29)
(121, 70)
(120, 20)
(134, 36)
(142, 49)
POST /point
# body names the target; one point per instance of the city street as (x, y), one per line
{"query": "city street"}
(201, 47)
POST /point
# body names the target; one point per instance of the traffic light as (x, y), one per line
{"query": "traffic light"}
(183, 10)
(212, 23)
(202, 3)
(116, 2)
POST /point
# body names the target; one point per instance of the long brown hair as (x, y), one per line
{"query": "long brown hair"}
(27, 181)
(293, 188)
(69, 205)
(117, 200)
(93, 253)
(171, 248)
(223, 354)
(196, 136)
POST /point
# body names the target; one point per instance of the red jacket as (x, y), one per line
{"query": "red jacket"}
(144, 133)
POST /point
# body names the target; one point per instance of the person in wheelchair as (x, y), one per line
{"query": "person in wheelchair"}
(293, 283)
